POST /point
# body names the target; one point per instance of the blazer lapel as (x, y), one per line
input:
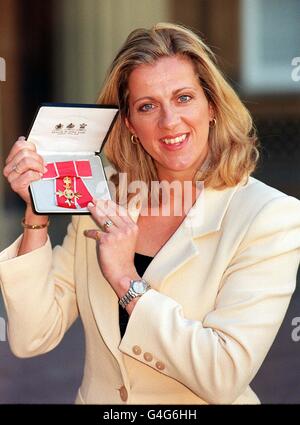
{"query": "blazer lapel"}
(207, 214)
(204, 217)
(179, 249)
(104, 303)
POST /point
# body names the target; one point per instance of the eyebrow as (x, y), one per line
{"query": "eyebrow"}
(173, 93)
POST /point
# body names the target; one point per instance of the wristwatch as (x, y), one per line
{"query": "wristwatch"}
(137, 289)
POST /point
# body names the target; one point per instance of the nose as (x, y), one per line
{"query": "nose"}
(169, 118)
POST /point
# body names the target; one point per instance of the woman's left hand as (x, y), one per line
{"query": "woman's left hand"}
(115, 243)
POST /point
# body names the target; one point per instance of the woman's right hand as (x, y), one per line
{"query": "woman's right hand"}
(23, 166)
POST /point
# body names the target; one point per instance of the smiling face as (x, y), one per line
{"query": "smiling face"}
(170, 114)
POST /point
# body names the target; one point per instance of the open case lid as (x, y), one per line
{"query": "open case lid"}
(78, 128)
(70, 138)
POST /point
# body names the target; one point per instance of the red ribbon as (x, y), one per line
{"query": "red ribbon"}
(70, 190)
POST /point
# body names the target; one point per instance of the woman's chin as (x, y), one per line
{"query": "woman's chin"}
(177, 170)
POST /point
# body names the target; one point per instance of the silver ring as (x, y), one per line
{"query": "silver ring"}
(15, 168)
(108, 223)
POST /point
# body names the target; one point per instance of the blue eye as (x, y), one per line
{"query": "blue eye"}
(184, 98)
(147, 107)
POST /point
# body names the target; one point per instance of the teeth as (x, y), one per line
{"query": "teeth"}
(175, 140)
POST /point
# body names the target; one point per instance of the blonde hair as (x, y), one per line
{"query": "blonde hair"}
(233, 151)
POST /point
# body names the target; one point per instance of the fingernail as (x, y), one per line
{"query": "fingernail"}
(41, 174)
(22, 138)
(45, 170)
(90, 205)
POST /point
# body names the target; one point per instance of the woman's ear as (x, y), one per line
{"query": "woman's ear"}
(211, 111)
(129, 126)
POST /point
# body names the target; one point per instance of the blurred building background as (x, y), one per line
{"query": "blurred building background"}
(59, 50)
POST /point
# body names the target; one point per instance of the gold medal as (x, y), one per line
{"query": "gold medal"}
(68, 193)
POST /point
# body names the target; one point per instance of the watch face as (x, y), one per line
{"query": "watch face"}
(139, 286)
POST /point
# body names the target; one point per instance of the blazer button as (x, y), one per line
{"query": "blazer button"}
(123, 393)
(148, 357)
(160, 365)
(136, 349)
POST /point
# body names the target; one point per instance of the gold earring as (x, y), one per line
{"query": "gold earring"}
(212, 123)
(134, 139)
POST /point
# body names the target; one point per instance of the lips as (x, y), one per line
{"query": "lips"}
(174, 142)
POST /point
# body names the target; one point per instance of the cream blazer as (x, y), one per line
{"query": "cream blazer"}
(221, 286)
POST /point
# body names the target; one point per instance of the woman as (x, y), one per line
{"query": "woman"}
(205, 290)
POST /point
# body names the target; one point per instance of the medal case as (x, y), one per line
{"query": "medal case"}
(70, 138)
